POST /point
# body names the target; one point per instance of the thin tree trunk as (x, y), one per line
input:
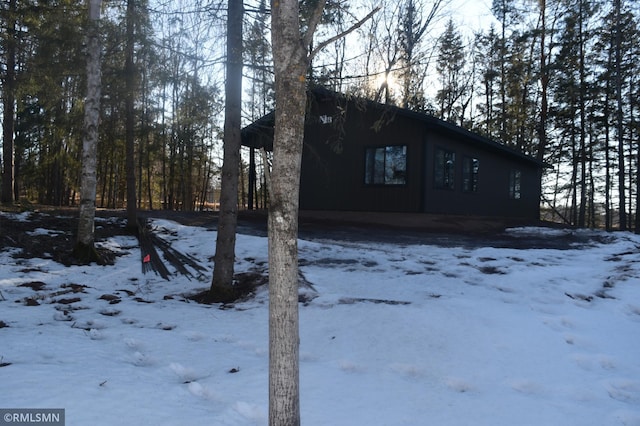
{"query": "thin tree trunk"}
(637, 221)
(252, 178)
(619, 118)
(163, 140)
(630, 171)
(291, 62)
(85, 245)
(222, 284)
(503, 77)
(592, 185)
(142, 146)
(607, 148)
(582, 106)
(130, 119)
(290, 66)
(544, 83)
(8, 110)
(634, 135)
(243, 188)
(574, 174)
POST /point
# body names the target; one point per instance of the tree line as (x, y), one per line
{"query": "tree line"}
(555, 79)
(152, 91)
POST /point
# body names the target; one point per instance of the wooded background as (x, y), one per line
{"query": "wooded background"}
(555, 79)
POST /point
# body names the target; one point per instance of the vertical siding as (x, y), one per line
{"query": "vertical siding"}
(334, 159)
(492, 197)
(333, 167)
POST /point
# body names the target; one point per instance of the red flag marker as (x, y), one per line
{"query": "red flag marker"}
(146, 259)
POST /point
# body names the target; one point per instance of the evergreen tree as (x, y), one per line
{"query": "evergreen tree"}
(413, 28)
(486, 50)
(453, 78)
(9, 47)
(507, 14)
(49, 100)
(259, 93)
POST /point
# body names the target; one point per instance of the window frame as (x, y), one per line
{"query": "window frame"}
(387, 175)
(515, 184)
(446, 166)
(470, 174)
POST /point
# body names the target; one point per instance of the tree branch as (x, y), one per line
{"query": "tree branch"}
(313, 23)
(341, 35)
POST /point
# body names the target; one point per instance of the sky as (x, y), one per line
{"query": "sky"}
(440, 331)
(474, 15)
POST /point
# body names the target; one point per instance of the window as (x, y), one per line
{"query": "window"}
(444, 169)
(470, 167)
(386, 165)
(515, 177)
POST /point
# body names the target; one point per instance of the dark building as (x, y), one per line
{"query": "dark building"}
(360, 155)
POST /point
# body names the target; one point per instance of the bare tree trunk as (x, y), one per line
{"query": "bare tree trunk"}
(222, 289)
(129, 70)
(8, 107)
(619, 118)
(290, 65)
(252, 178)
(291, 60)
(544, 83)
(637, 221)
(85, 249)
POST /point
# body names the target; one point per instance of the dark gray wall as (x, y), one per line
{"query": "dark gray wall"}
(334, 159)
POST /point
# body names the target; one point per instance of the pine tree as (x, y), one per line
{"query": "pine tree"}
(486, 49)
(49, 108)
(9, 41)
(453, 80)
(260, 88)
(413, 28)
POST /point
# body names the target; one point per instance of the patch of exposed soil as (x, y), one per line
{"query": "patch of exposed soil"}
(52, 235)
(32, 241)
(245, 285)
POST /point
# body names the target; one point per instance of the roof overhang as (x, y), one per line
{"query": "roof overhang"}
(259, 134)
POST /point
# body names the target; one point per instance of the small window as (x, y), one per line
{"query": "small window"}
(515, 177)
(470, 167)
(386, 165)
(444, 169)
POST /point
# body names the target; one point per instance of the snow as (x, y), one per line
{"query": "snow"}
(412, 334)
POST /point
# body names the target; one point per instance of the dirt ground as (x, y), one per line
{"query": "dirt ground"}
(57, 244)
(342, 226)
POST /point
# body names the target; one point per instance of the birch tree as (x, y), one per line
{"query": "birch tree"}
(85, 249)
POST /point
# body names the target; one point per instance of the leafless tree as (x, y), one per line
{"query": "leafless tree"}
(85, 249)
(291, 56)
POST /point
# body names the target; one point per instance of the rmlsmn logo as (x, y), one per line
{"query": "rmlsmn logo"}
(32, 416)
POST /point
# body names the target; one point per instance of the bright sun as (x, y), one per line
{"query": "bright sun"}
(392, 83)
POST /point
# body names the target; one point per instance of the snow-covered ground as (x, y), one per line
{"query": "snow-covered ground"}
(397, 335)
